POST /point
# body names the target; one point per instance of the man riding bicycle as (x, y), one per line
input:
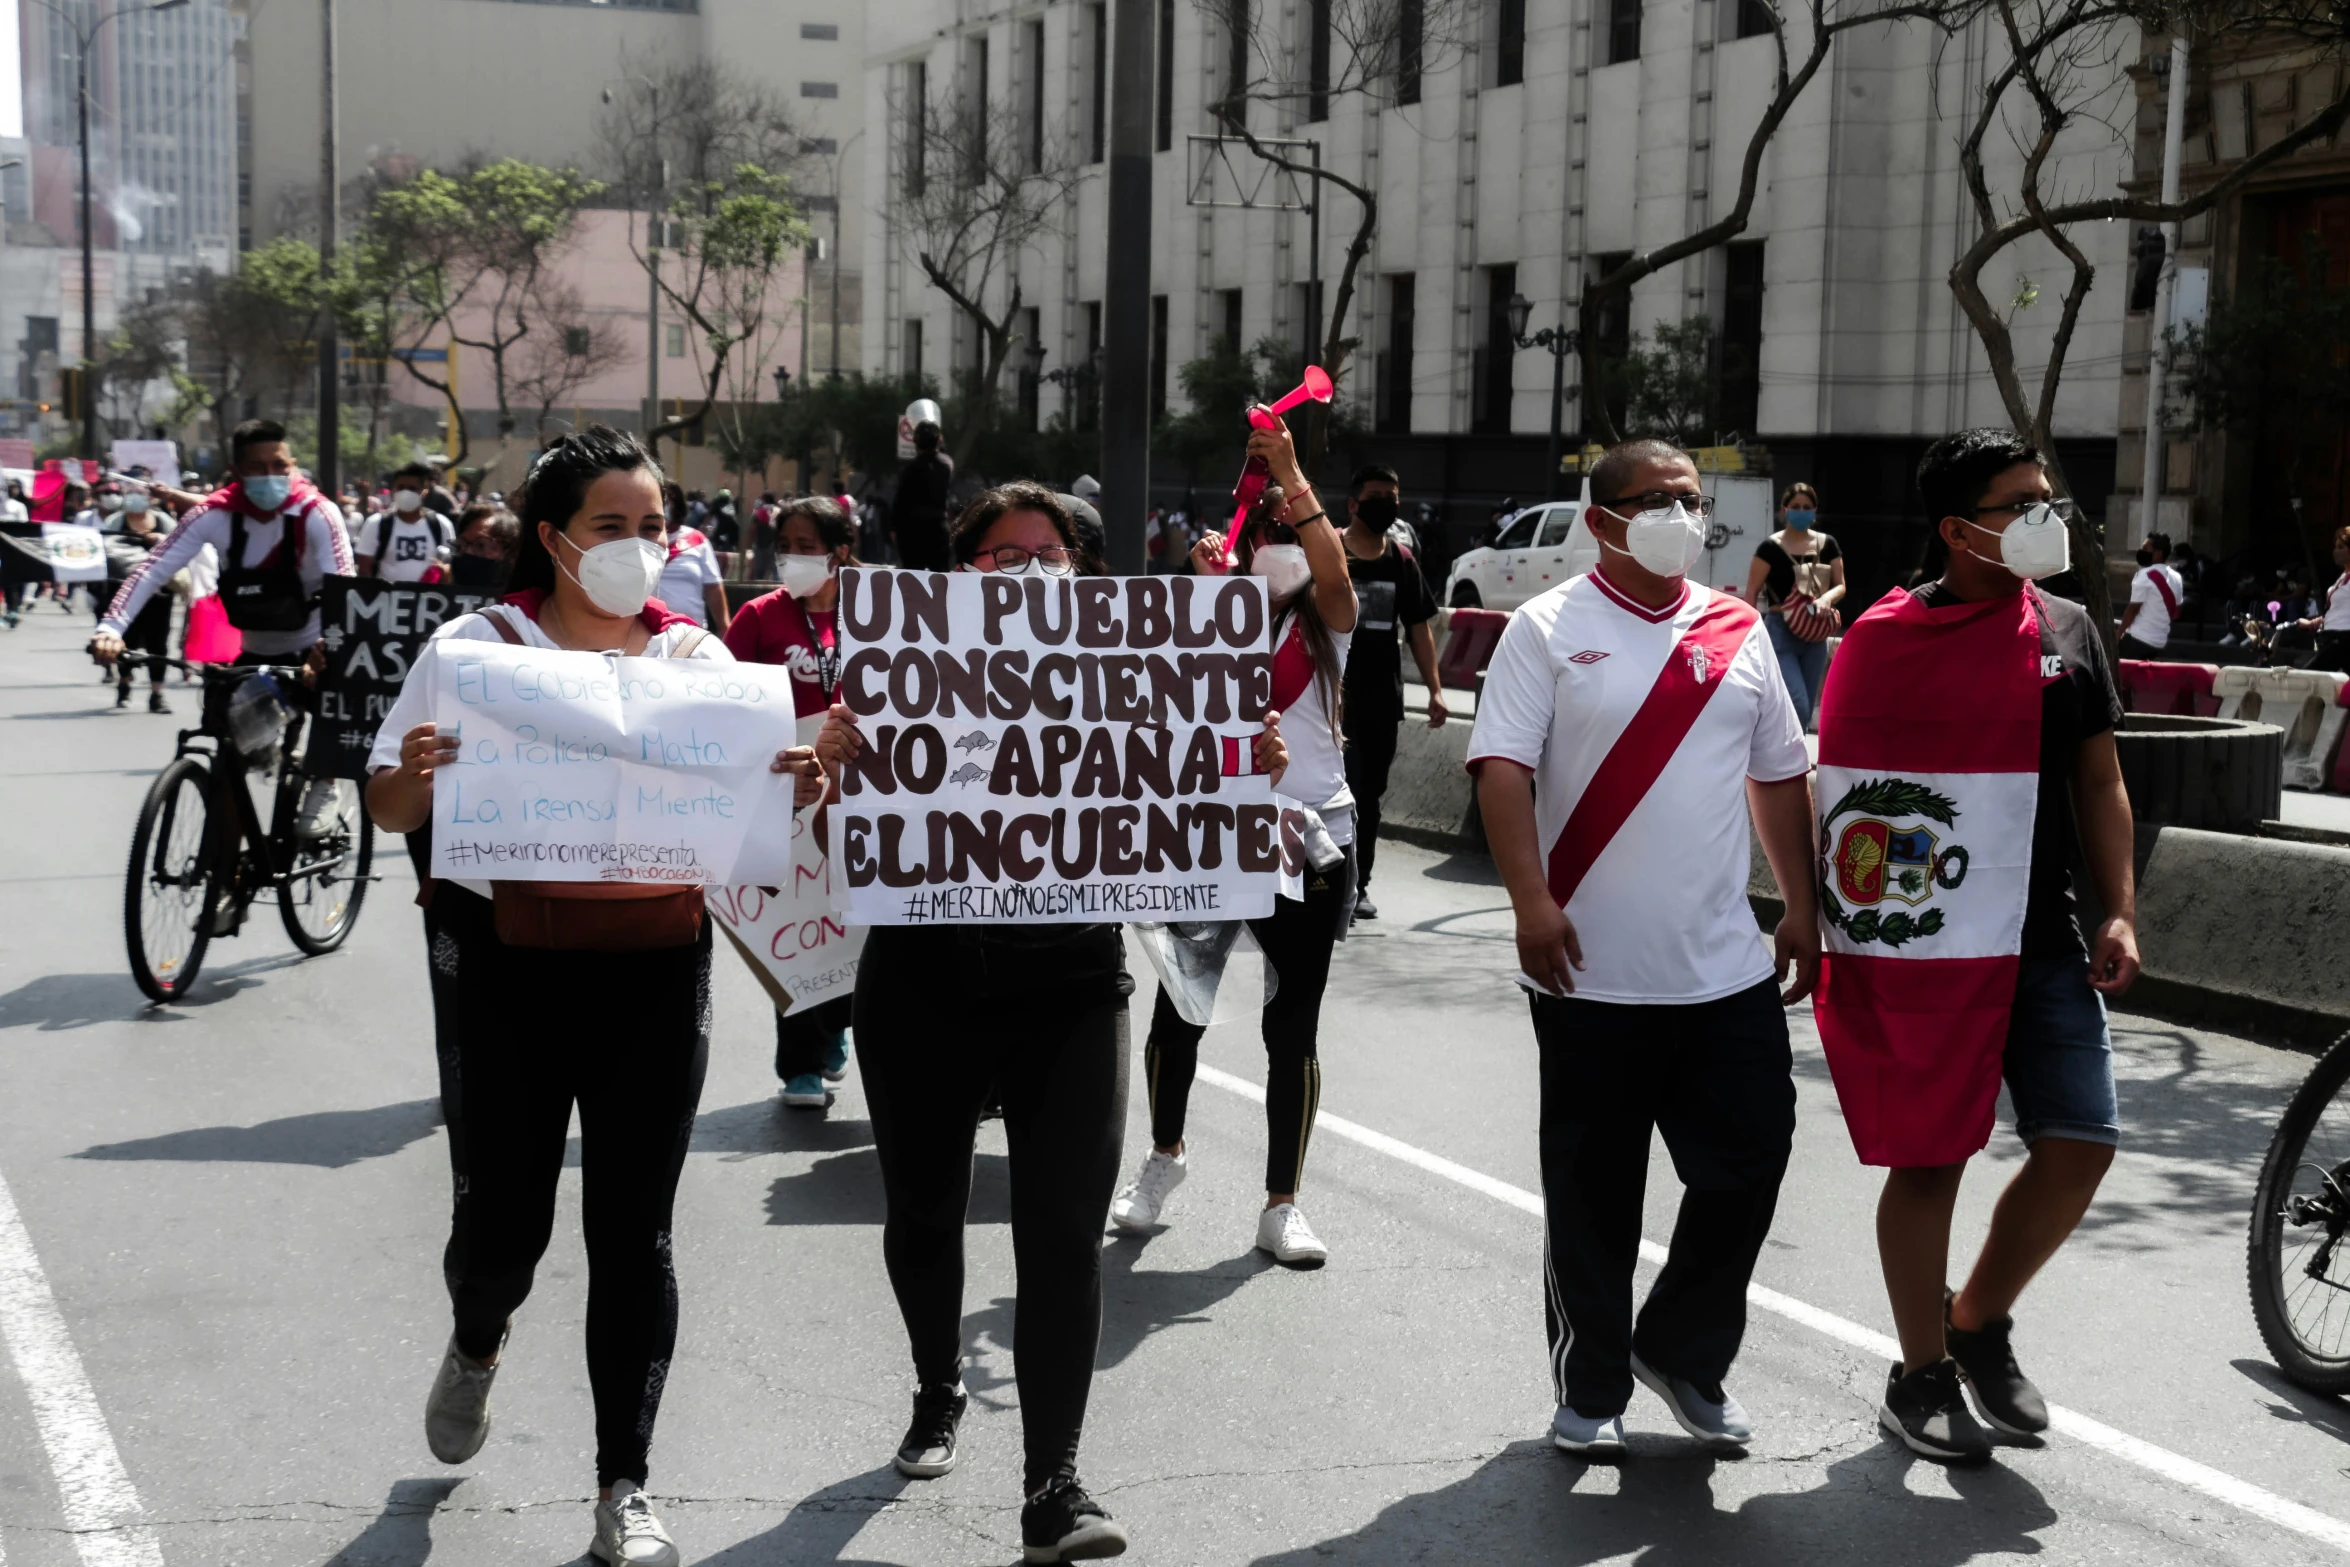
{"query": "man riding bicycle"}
(278, 539)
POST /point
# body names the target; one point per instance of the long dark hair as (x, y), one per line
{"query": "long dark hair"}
(1321, 642)
(556, 488)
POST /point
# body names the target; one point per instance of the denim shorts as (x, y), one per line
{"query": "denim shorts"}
(2059, 1065)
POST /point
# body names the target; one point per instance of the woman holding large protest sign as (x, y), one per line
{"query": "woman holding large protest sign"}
(948, 1015)
(1290, 542)
(797, 626)
(547, 995)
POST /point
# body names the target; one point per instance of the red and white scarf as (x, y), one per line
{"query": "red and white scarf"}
(1928, 784)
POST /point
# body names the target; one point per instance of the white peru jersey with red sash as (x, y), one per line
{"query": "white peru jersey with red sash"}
(1928, 785)
(1641, 727)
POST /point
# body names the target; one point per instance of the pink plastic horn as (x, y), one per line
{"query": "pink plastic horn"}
(1315, 388)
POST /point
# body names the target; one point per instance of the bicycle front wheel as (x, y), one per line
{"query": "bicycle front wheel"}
(2299, 1249)
(165, 895)
(320, 900)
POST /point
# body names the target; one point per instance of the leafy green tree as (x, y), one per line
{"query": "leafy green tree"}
(1669, 390)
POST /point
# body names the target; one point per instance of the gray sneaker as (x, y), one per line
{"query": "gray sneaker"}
(1587, 1436)
(1708, 1413)
(457, 1416)
(629, 1534)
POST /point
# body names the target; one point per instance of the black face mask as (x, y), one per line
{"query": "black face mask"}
(479, 574)
(2146, 557)
(1376, 511)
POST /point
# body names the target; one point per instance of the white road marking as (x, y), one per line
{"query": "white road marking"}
(101, 1505)
(2179, 1470)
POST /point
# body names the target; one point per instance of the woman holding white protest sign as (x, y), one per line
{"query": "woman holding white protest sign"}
(948, 1016)
(1290, 542)
(798, 627)
(547, 995)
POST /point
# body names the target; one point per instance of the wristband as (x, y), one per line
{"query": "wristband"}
(1318, 516)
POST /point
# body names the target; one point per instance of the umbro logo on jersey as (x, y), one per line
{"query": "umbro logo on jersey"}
(1589, 655)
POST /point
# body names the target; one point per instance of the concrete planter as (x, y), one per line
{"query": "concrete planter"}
(2215, 774)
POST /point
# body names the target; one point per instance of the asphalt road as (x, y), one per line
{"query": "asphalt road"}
(236, 1207)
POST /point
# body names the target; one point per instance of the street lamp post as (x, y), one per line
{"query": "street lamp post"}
(85, 39)
(1560, 342)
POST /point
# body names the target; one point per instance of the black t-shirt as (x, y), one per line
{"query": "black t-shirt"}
(1389, 592)
(922, 488)
(1779, 586)
(2078, 705)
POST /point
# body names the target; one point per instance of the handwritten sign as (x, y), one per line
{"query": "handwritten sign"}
(581, 767)
(1045, 750)
(372, 632)
(799, 950)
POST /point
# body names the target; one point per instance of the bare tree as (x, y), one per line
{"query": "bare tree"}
(566, 349)
(975, 198)
(1376, 51)
(2059, 76)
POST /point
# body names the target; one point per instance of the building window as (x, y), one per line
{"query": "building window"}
(1166, 86)
(1411, 28)
(1158, 367)
(1615, 341)
(820, 147)
(1623, 31)
(1309, 322)
(1317, 59)
(1490, 414)
(975, 82)
(1034, 33)
(1509, 44)
(1742, 330)
(1395, 379)
(1088, 390)
(822, 32)
(1031, 381)
(1097, 31)
(820, 89)
(917, 131)
(1228, 308)
(1236, 25)
(910, 355)
(674, 346)
(575, 341)
(1754, 18)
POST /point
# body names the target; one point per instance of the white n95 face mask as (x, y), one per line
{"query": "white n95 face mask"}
(618, 577)
(1283, 566)
(406, 501)
(2035, 545)
(1666, 540)
(802, 575)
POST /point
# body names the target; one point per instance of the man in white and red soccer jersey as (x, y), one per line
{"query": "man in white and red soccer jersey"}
(1629, 723)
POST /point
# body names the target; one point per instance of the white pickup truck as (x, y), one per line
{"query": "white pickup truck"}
(1543, 546)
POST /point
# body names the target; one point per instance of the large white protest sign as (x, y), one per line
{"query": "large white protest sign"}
(1051, 749)
(579, 767)
(800, 951)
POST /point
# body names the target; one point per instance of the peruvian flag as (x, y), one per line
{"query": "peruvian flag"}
(1928, 783)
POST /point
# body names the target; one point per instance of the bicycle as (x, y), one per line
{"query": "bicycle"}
(2298, 1262)
(200, 858)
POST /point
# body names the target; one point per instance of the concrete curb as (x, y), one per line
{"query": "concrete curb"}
(2241, 933)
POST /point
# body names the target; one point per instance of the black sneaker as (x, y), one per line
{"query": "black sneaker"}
(2003, 1394)
(155, 702)
(1063, 1524)
(122, 696)
(1928, 1412)
(929, 1448)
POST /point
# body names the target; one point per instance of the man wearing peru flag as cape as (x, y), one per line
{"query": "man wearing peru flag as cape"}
(1966, 756)
(1630, 723)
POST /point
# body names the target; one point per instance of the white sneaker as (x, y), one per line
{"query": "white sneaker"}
(1283, 1231)
(1581, 1434)
(322, 808)
(628, 1534)
(457, 1414)
(1137, 1207)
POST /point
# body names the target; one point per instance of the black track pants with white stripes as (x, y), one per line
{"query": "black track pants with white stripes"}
(1715, 1077)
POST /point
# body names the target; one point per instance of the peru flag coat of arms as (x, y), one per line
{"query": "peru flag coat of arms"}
(1928, 782)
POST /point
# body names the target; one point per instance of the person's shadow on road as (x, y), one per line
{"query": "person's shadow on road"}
(329, 1139)
(821, 1526)
(1531, 1503)
(400, 1535)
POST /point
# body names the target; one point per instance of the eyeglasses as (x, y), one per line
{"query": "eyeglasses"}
(1054, 558)
(1660, 500)
(2061, 507)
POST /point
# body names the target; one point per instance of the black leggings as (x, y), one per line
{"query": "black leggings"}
(148, 634)
(523, 1034)
(1297, 939)
(932, 1043)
